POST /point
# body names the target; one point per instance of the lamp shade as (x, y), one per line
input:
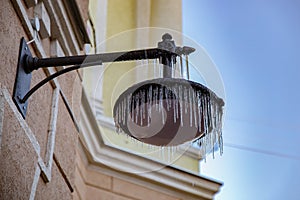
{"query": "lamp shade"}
(169, 112)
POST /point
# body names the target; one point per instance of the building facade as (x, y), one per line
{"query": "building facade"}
(65, 148)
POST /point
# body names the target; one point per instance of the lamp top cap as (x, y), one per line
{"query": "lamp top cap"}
(167, 36)
(167, 43)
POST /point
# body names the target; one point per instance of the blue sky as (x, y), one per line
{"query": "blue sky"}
(256, 48)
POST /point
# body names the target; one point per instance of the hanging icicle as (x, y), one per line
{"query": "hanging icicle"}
(170, 109)
(179, 104)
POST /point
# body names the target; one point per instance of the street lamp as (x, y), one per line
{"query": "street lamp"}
(165, 111)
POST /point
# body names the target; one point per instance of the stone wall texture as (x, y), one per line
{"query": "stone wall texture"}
(38, 154)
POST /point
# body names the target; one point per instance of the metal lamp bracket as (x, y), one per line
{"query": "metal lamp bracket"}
(206, 117)
(23, 79)
(166, 51)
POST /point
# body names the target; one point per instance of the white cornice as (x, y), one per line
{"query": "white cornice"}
(123, 162)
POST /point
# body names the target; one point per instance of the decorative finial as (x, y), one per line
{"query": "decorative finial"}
(167, 43)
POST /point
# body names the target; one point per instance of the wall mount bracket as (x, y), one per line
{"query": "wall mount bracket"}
(23, 79)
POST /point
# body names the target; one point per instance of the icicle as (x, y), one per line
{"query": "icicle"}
(156, 98)
(200, 146)
(121, 109)
(170, 98)
(161, 107)
(172, 70)
(185, 100)
(199, 111)
(119, 113)
(187, 66)
(194, 100)
(144, 104)
(167, 99)
(124, 103)
(117, 124)
(149, 104)
(219, 117)
(141, 107)
(117, 116)
(136, 108)
(117, 128)
(132, 108)
(209, 112)
(205, 116)
(212, 115)
(220, 138)
(180, 93)
(181, 67)
(175, 104)
(191, 107)
(128, 106)
(160, 99)
(174, 112)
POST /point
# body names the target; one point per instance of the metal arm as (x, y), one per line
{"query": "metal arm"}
(84, 61)
(36, 63)
(166, 53)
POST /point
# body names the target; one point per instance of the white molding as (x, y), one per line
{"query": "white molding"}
(35, 183)
(52, 133)
(65, 24)
(99, 154)
(106, 122)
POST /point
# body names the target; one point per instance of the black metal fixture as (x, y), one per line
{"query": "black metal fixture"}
(165, 111)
